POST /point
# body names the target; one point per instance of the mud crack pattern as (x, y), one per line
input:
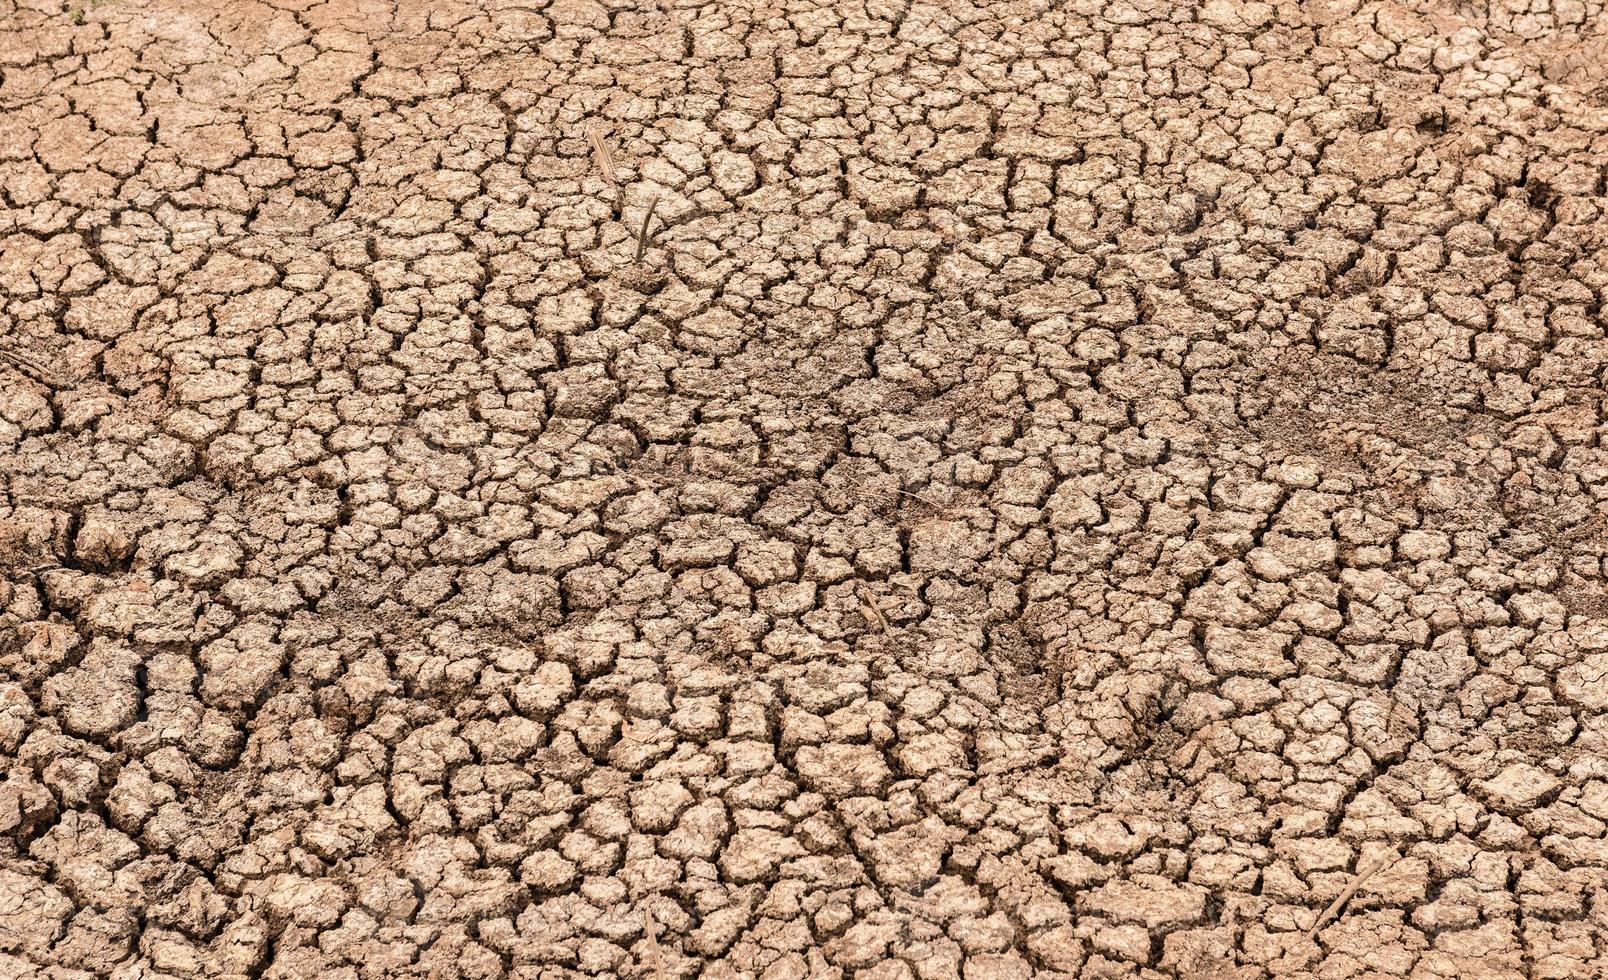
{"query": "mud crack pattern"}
(1085, 488)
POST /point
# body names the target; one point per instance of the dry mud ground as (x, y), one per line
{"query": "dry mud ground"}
(1097, 488)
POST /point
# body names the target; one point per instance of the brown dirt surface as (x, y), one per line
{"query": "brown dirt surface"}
(886, 490)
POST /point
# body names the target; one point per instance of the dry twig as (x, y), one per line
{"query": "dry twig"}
(600, 150)
(647, 223)
(652, 930)
(28, 365)
(863, 485)
(871, 610)
(1345, 896)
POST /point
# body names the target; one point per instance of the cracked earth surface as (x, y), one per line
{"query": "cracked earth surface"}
(1115, 489)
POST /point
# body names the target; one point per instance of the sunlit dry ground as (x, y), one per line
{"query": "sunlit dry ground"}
(1108, 488)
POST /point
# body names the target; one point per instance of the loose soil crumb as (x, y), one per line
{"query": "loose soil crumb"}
(891, 490)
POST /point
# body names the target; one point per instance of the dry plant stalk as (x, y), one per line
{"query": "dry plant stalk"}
(600, 151)
(28, 365)
(871, 610)
(651, 928)
(901, 490)
(1345, 896)
(647, 223)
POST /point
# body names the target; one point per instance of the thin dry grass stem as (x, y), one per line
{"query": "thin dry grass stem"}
(1345, 896)
(647, 224)
(28, 365)
(863, 485)
(652, 929)
(600, 152)
(871, 610)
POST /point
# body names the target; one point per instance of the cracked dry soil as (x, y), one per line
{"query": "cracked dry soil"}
(1085, 488)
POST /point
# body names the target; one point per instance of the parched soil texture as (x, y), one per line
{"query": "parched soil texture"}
(881, 490)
